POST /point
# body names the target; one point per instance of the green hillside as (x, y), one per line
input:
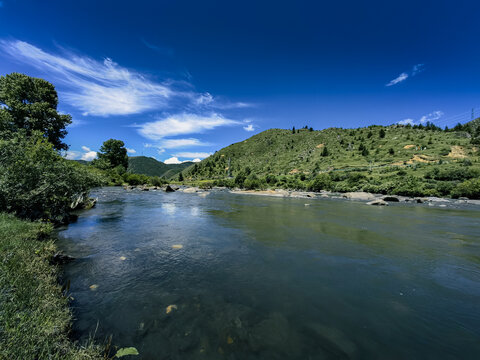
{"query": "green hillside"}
(418, 160)
(152, 167)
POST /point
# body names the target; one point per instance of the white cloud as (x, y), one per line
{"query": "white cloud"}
(84, 148)
(398, 79)
(105, 88)
(431, 117)
(172, 160)
(72, 155)
(178, 143)
(182, 124)
(97, 88)
(175, 160)
(249, 128)
(200, 155)
(89, 156)
(405, 75)
(131, 151)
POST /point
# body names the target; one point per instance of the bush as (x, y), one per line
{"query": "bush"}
(320, 182)
(136, 179)
(36, 182)
(469, 188)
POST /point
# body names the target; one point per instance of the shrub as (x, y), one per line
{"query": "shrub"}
(320, 182)
(469, 188)
(36, 182)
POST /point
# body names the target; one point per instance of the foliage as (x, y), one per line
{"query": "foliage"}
(469, 188)
(36, 182)
(126, 351)
(34, 315)
(320, 182)
(152, 167)
(31, 104)
(112, 154)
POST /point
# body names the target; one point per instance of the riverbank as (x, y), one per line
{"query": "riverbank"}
(368, 198)
(34, 316)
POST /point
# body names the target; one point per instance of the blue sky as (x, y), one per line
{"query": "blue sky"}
(178, 80)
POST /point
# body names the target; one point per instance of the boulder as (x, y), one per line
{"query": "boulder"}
(190, 190)
(391, 199)
(169, 189)
(360, 195)
(59, 259)
(378, 202)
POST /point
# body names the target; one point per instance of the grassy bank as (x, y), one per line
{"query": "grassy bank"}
(34, 316)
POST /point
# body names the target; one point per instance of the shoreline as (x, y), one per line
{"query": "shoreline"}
(360, 196)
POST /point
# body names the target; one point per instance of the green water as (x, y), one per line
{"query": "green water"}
(271, 278)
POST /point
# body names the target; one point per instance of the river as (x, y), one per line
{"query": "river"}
(226, 276)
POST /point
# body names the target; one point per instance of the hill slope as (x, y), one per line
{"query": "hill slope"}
(372, 159)
(152, 167)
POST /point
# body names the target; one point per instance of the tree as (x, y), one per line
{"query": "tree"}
(112, 154)
(381, 134)
(31, 104)
(293, 130)
(391, 151)
(325, 151)
(180, 177)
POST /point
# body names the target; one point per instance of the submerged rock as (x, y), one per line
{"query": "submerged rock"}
(378, 202)
(170, 308)
(59, 259)
(177, 246)
(169, 189)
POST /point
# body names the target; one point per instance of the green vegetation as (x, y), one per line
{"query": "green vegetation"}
(151, 167)
(34, 315)
(421, 160)
(30, 104)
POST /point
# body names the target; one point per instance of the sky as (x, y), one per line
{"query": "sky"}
(179, 80)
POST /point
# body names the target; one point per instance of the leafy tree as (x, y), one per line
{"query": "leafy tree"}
(180, 177)
(325, 152)
(112, 154)
(391, 151)
(31, 104)
(293, 130)
(381, 133)
(320, 182)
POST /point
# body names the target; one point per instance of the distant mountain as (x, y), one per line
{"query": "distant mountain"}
(152, 167)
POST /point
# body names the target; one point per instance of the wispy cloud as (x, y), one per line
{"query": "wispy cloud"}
(158, 49)
(105, 88)
(200, 155)
(431, 117)
(131, 151)
(405, 75)
(183, 124)
(249, 127)
(179, 143)
(97, 88)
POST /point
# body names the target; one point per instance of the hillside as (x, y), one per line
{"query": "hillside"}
(152, 167)
(374, 159)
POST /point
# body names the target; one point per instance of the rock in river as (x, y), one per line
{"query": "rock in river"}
(378, 202)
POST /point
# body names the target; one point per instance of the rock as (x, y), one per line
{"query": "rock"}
(419, 200)
(360, 195)
(60, 258)
(178, 246)
(391, 199)
(204, 194)
(170, 308)
(93, 287)
(123, 258)
(378, 202)
(145, 189)
(169, 189)
(190, 190)
(462, 198)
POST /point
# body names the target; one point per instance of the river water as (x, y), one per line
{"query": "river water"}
(181, 276)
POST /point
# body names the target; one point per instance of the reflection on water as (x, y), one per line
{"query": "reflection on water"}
(225, 276)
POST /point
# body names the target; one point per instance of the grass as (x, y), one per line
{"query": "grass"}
(34, 316)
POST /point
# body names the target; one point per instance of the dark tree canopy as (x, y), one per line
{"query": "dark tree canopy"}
(114, 153)
(31, 104)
